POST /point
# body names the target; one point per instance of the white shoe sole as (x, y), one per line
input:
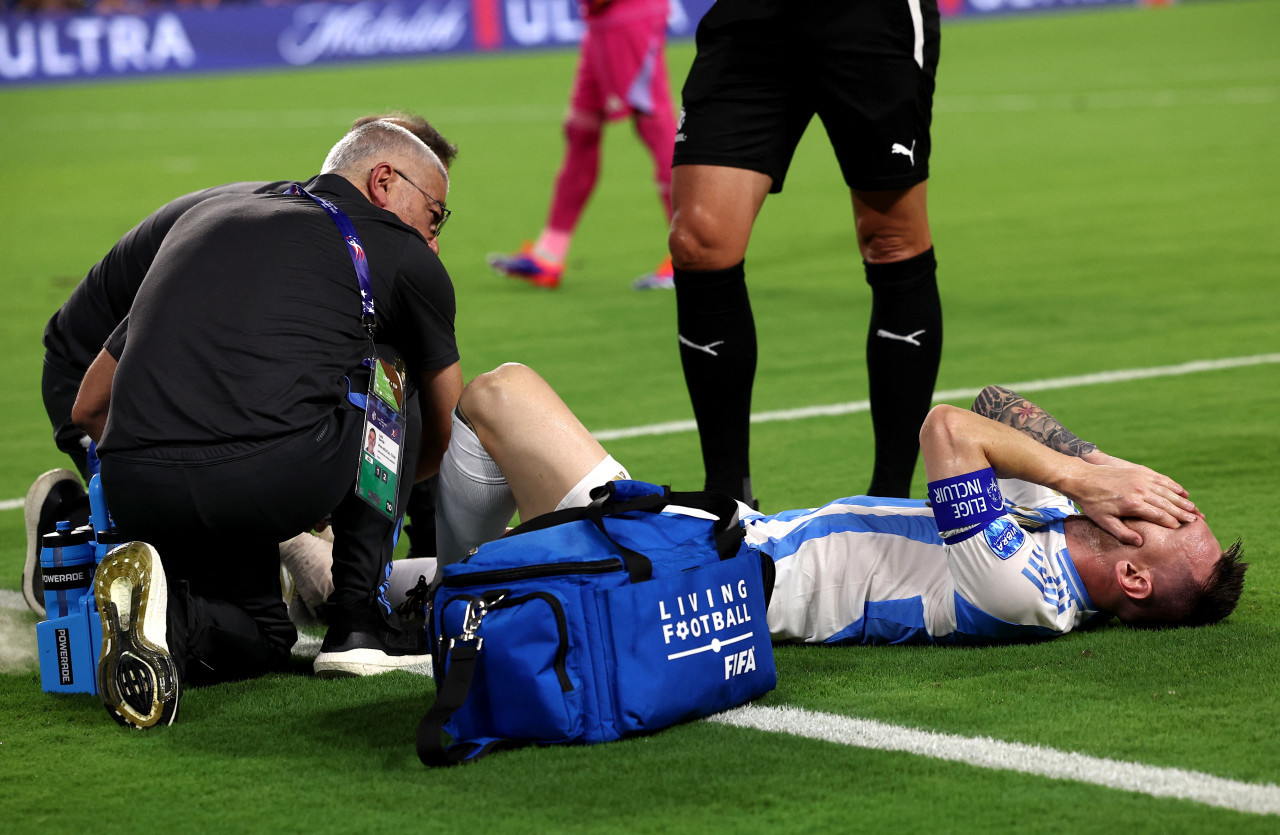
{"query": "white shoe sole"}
(652, 282)
(368, 662)
(31, 507)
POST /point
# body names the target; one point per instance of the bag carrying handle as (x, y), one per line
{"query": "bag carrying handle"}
(628, 496)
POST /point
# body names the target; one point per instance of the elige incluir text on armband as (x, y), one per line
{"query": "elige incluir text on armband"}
(964, 504)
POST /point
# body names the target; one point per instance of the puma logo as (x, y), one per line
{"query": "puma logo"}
(909, 338)
(706, 349)
(909, 153)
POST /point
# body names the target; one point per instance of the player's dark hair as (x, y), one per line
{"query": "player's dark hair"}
(1218, 595)
(420, 128)
(1208, 602)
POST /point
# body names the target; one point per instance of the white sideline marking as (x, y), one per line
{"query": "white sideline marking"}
(307, 646)
(1124, 376)
(18, 653)
(10, 599)
(672, 427)
(985, 752)
(241, 120)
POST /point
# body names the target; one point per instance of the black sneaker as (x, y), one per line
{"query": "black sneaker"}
(49, 501)
(137, 679)
(363, 641)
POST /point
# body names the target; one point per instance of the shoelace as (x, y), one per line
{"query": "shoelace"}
(415, 600)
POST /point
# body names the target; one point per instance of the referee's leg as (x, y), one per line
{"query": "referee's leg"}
(904, 338)
(713, 210)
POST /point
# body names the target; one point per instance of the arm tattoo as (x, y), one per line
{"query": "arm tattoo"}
(1007, 407)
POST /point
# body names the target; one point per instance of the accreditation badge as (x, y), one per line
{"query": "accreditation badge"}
(383, 438)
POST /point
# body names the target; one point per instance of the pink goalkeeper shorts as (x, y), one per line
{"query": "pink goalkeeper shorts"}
(622, 68)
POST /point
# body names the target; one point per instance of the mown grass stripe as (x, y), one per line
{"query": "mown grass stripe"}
(501, 114)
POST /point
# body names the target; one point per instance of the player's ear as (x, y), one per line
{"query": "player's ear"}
(1135, 582)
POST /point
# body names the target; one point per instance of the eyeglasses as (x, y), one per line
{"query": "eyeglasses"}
(441, 216)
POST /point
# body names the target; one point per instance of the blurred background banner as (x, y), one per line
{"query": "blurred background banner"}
(67, 40)
(951, 8)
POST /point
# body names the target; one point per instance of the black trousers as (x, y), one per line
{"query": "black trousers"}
(217, 525)
(420, 526)
(59, 386)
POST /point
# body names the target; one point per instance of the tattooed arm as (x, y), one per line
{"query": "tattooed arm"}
(956, 442)
(1012, 409)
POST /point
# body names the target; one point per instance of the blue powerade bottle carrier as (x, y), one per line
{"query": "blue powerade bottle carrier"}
(70, 641)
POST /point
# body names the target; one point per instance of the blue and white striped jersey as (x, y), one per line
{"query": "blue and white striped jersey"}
(865, 570)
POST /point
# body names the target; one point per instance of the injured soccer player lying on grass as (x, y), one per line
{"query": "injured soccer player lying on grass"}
(999, 554)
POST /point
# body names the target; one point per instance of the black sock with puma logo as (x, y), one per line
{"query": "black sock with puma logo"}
(717, 335)
(904, 347)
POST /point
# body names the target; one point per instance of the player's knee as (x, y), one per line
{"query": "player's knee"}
(582, 129)
(698, 246)
(486, 398)
(892, 225)
(941, 425)
(684, 246)
(890, 246)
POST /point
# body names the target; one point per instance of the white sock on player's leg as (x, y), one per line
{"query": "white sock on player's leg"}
(474, 503)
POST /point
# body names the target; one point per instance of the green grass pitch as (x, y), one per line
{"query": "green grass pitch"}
(1104, 196)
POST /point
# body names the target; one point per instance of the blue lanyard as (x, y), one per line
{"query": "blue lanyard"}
(354, 249)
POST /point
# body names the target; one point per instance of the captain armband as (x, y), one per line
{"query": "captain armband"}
(965, 504)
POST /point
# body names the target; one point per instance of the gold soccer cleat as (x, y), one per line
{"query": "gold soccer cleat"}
(137, 679)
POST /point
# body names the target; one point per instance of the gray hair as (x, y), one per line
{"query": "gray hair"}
(377, 141)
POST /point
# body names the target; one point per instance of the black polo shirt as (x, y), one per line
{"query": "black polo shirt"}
(75, 334)
(249, 322)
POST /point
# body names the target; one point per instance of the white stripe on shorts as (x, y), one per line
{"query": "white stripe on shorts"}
(917, 23)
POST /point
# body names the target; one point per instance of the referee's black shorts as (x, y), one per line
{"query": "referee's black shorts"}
(764, 67)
